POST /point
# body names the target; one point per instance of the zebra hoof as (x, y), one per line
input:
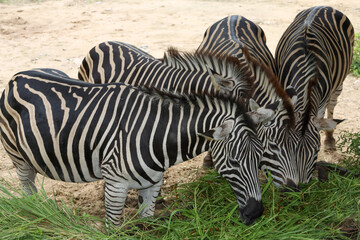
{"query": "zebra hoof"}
(207, 162)
(329, 144)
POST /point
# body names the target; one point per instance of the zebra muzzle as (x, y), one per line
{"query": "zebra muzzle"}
(252, 210)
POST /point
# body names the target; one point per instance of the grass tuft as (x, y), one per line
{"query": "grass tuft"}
(355, 66)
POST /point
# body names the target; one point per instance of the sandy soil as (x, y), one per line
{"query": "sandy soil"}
(58, 34)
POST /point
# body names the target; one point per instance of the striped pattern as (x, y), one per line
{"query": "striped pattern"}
(314, 56)
(234, 33)
(245, 40)
(121, 62)
(75, 131)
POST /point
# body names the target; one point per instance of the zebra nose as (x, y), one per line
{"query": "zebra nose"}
(252, 210)
(290, 186)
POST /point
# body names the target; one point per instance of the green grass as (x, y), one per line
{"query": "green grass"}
(350, 145)
(355, 66)
(205, 209)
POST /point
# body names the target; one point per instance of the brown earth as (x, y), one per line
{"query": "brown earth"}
(58, 34)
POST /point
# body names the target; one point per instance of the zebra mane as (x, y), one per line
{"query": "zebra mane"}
(313, 62)
(221, 64)
(195, 97)
(269, 82)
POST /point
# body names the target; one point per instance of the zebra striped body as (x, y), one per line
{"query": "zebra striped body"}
(75, 131)
(314, 56)
(233, 35)
(202, 72)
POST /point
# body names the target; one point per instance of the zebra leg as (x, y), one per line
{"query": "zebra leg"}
(115, 196)
(26, 175)
(329, 138)
(147, 199)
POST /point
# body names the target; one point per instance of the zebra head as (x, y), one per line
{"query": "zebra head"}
(290, 153)
(236, 151)
(277, 135)
(307, 139)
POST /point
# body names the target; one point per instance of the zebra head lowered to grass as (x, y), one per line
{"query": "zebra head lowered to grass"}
(313, 57)
(75, 131)
(239, 37)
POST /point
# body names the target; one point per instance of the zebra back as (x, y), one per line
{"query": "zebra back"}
(232, 34)
(314, 54)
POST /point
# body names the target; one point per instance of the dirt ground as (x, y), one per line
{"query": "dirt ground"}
(58, 34)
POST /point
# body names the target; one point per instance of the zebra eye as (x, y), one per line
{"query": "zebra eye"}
(267, 124)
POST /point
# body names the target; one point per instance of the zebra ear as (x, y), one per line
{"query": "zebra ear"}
(223, 83)
(263, 114)
(220, 82)
(219, 132)
(253, 105)
(326, 124)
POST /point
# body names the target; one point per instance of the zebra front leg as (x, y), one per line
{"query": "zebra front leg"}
(115, 196)
(329, 138)
(147, 198)
(26, 175)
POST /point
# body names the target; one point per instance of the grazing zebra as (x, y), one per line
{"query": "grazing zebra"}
(76, 131)
(234, 35)
(314, 56)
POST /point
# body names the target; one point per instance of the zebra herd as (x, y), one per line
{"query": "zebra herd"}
(130, 116)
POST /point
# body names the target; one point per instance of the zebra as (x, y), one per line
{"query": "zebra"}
(75, 131)
(313, 56)
(235, 35)
(122, 62)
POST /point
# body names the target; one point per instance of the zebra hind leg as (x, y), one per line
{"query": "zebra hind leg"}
(26, 175)
(147, 199)
(115, 196)
(207, 162)
(329, 138)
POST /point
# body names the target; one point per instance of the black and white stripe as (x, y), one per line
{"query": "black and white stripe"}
(245, 40)
(75, 131)
(313, 56)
